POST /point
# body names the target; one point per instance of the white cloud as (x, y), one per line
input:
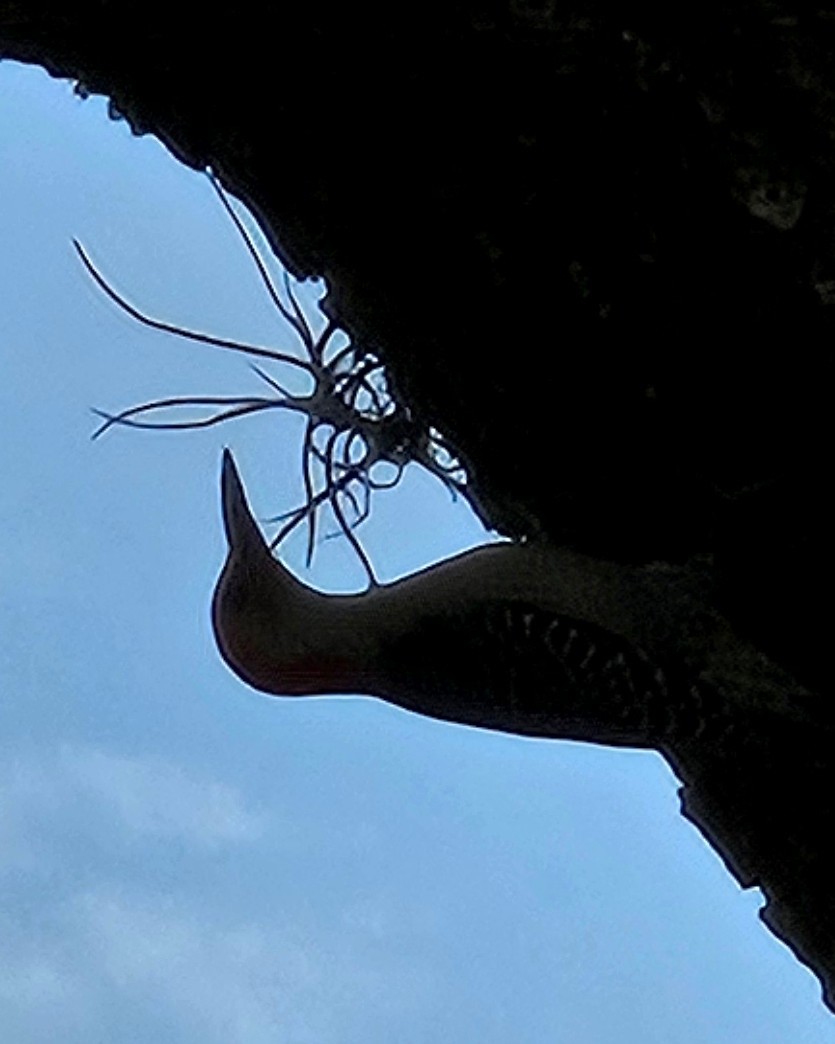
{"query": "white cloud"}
(203, 977)
(103, 937)
(226, 983)
(153, 797)
(143, 796)
(32, 980)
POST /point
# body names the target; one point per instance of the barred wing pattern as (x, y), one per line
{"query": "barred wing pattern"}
(521, 668)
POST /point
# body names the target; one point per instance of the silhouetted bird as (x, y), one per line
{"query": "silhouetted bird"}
(534, 640)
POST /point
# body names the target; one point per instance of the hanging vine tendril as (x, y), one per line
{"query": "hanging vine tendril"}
(355, 427)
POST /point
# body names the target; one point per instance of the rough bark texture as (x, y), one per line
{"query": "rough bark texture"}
(595, 246)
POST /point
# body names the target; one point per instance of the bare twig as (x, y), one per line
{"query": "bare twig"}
(365, 425)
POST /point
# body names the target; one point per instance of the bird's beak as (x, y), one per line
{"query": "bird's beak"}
(242, 530)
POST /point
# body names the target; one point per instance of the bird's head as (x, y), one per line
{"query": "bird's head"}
(276, 634)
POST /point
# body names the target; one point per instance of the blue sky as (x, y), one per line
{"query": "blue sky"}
(184, 860)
